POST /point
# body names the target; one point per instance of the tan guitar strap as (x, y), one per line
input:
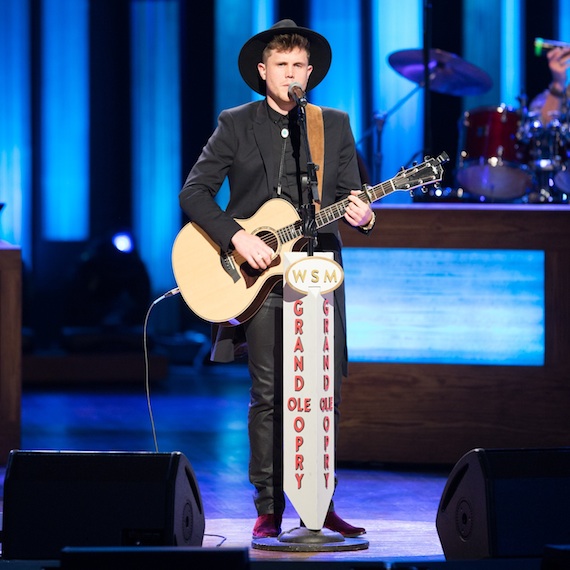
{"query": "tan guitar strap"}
(316, 135)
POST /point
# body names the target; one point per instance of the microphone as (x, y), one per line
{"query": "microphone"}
(297, 94)
(542, 44)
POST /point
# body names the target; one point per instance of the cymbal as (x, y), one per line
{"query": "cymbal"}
(449, 73)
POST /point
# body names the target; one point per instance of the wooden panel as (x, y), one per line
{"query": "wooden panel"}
(10, 348)
(417, 413)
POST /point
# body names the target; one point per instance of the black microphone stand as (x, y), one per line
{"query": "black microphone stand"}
(309, 186)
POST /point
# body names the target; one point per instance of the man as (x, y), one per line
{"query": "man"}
(259, 147)
(550, 102)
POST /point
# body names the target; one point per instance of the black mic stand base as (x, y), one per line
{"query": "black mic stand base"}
(301, 539)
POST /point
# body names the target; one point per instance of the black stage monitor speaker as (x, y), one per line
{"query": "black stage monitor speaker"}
(58, 499)
(501, 503)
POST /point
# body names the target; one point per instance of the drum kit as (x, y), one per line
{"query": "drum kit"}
(505, 154)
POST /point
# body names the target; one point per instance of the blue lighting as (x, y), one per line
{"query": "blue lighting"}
(494, 28)
(65, 119)
(396, 26)
(15, 125)
(340, 22)
(156, 133)
(236, 22)
(445, 306)
(563, 18)
(512, 77)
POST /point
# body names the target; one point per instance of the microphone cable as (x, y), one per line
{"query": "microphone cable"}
(170, 293)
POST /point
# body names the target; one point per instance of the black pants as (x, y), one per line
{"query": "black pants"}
(264, 334)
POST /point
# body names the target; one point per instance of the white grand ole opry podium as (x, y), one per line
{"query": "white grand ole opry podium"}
(308, 402)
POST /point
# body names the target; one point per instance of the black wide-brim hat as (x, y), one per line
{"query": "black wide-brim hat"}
(252, 51)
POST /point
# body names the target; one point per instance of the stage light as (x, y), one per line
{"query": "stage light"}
(123, 241)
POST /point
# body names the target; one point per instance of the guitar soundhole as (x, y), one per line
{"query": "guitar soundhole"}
(269, 238)
(249, 273)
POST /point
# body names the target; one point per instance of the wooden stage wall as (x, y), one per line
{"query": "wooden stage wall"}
(432, 413)
(10, 348)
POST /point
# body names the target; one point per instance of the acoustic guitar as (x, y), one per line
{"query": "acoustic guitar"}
(221, 287)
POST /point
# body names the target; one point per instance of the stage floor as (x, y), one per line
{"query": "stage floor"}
(202, 413)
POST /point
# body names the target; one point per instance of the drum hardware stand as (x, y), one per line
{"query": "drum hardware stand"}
(548, 161)
(377, 129)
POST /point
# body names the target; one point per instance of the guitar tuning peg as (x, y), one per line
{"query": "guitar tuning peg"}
(424, 190)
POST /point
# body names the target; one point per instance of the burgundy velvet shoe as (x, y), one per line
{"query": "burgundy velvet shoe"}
(267, 526)
(335, 523)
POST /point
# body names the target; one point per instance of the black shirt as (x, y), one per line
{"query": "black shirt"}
(289, 155)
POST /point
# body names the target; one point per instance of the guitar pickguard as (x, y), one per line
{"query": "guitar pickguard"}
(251, 275)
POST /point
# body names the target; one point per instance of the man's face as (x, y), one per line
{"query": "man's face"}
(280, 70)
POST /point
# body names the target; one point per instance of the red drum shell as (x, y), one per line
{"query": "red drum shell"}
(493, 162)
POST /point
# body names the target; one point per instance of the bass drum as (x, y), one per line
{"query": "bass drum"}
(492, 160)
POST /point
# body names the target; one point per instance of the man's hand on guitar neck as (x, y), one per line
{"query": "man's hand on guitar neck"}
(358, 213)
(253, 249)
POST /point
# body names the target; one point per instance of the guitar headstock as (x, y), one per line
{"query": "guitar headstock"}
(430, 171)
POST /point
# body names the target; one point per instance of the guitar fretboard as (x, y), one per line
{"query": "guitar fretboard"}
(429, 172)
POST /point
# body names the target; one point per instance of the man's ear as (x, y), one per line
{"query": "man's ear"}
(261, 70)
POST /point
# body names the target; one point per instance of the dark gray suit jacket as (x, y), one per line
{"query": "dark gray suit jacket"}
(240, 149)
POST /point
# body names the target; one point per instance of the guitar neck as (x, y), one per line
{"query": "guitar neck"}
(429, 172)
(335, 211)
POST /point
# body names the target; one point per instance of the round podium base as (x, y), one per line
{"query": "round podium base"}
(302, 539)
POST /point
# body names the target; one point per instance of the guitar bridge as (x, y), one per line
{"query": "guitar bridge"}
(227, 262)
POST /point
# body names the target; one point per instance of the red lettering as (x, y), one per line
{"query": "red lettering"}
(326, 382)
(326, 326)
(299, 424)
(326, 361)
(299, 383)
(298, 326)
(326, 461)
(326, 344)
(327, 441)
(326, 423)
(295, 404)
(326, 404)
(299, 442)
(299, 477)
(299, 462)
(298, 307)
(326, 480)
(298, 363)
(326, 306)
(298, 345)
